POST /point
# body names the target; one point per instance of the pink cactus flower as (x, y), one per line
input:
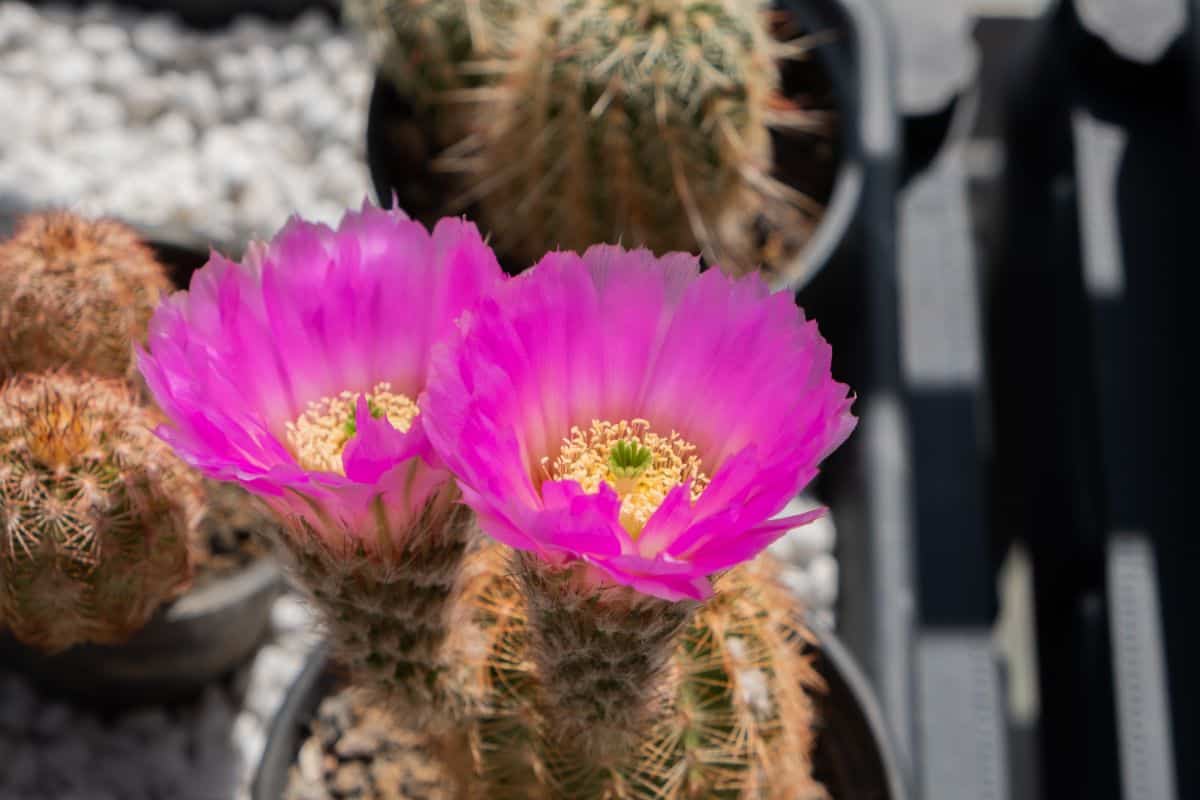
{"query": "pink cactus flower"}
(295, 373)
(635, 415)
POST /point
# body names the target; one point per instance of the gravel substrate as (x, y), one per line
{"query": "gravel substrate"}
(203, 751)
(809, 566)
(219, 136)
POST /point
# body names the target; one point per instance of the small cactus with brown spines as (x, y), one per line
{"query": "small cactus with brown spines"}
(727, 715)
(95, 512)
(76, 294)
(641, 121)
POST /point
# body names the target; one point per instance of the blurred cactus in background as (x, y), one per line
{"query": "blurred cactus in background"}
(76, 294)
(95, 512)
(428, 48)
(643, 122)
(646, 123)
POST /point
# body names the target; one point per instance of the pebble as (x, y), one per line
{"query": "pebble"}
(17, 705)
(103, 38)
(20, 769)
(823, 572)
(119, 70)
(358, 743)
(806, 554)
(175, 129)
(145, 725)
(52, 720)
(311, 761)
(336, 712)
(69, 69)
(350, 780)
(290, 614)
(249, 738)
(156, 37)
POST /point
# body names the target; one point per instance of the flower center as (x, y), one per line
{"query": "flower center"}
(319, 435)
(642, 466)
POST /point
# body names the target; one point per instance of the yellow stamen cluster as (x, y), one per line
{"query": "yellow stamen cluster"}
(587, 456)
(321, 433)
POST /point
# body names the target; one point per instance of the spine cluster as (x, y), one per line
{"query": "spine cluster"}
(95, 512)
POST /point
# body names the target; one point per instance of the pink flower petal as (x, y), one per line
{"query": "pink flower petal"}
(614, 335)
(315, 312)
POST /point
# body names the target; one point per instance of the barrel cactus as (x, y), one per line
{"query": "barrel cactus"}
(95, 512)
(729, 717)
(641, 121)
(75, 293)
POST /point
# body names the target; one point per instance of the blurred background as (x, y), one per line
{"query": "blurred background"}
(1002, 264)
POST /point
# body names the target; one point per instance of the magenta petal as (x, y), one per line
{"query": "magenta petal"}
(621, 335)
(579, 523)
(724, 553)
(668, 522)
(315, 312)
(670, 581)
(374, 447)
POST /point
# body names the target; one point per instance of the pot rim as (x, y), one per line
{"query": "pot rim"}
(226, 590)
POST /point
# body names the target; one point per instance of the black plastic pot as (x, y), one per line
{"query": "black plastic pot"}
(852, 58)
(853, 755)
(188, 644)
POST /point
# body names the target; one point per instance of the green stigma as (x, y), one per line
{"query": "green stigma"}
(350, 426)
(628, 459)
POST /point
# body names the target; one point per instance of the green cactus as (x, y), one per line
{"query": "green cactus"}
(95, 512)
(641, 121)
(716, 702)
(389, 611)
(75, 293)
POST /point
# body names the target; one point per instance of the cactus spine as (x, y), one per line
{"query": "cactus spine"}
(388, 610)
(95, 512)
(643, 122)
(733, 719)
(75, 293)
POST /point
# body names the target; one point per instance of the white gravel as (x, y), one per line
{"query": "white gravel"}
(809, 566)
(217, 135)
(203, 751)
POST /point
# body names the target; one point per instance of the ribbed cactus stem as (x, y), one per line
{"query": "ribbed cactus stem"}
(389, 612)
(603, 658)
(732, 718)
